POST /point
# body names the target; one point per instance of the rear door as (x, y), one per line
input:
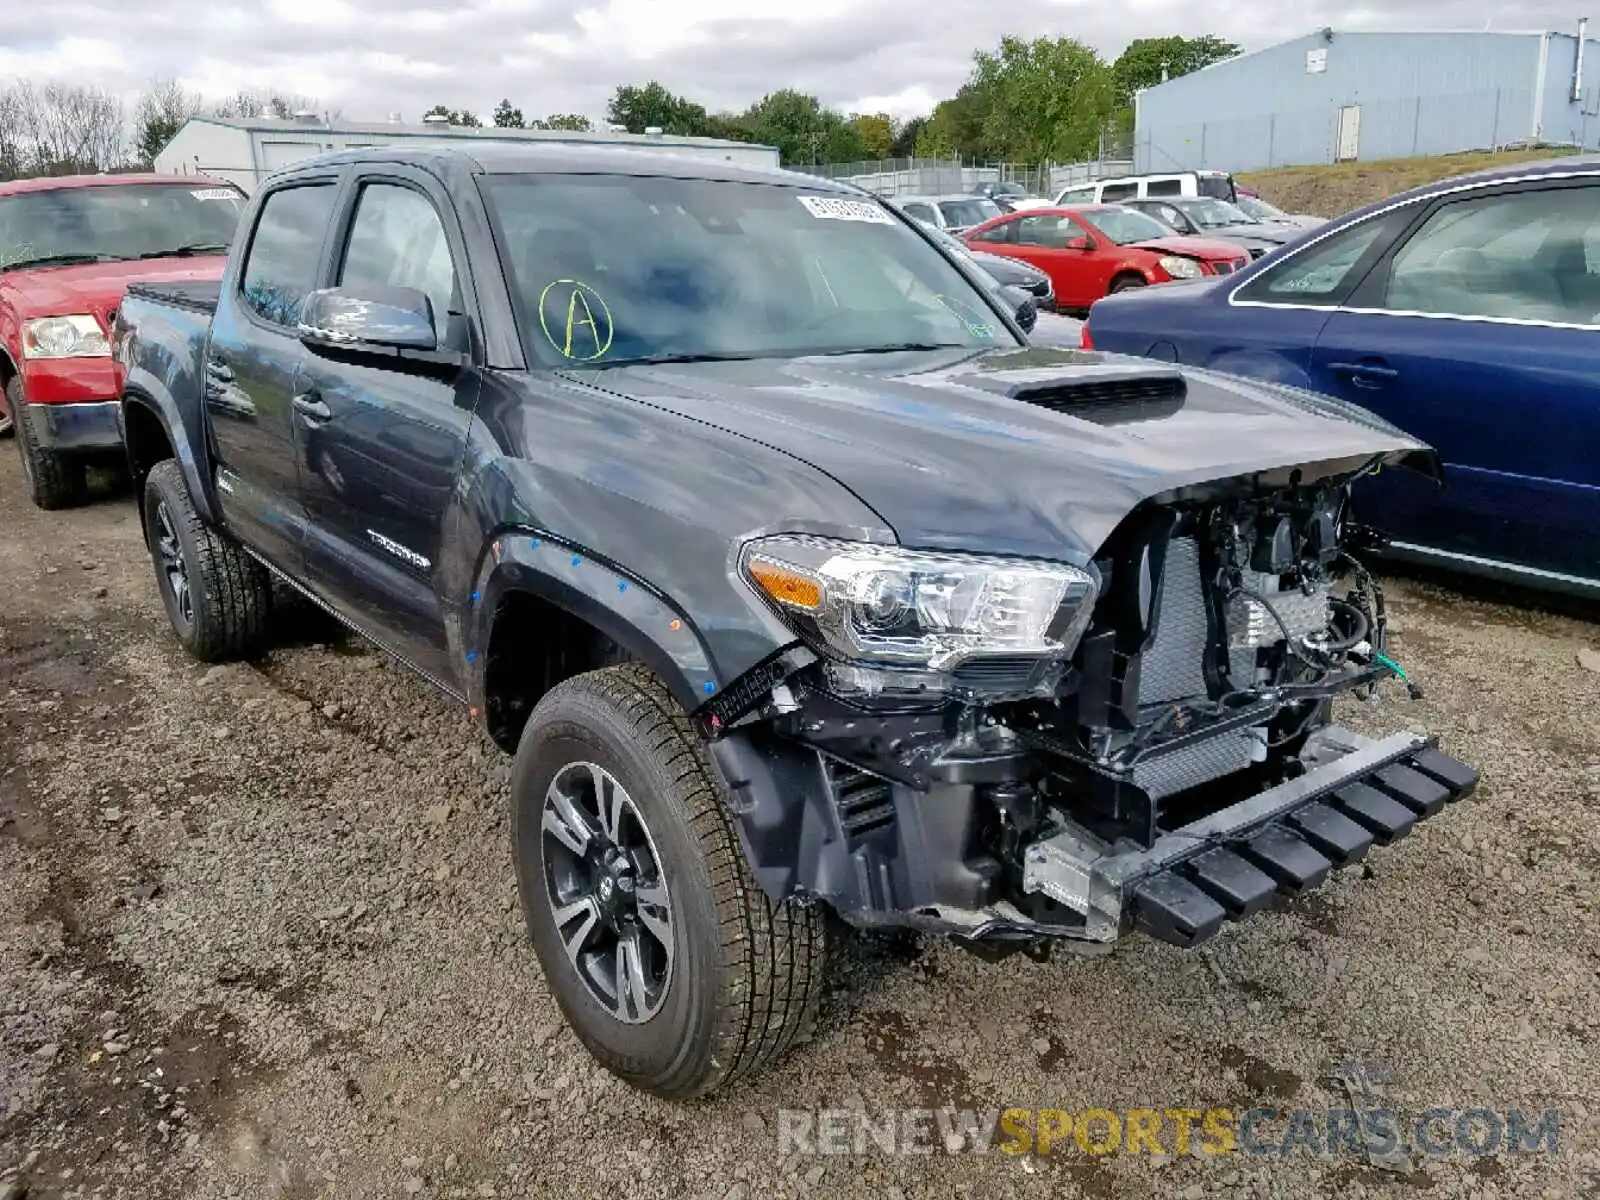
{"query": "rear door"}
(253, 361)
(381, 440)
(1480, 333)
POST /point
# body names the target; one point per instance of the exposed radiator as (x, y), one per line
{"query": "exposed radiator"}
(1174, 666)
(1168, 774)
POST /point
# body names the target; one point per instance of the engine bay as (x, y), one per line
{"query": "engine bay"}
(1223, 626)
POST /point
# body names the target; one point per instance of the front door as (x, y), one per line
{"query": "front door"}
(1349, 133)
(1480, 334)
(253, 361)
(382, 439)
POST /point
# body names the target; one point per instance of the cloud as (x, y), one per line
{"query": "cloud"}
(369, 58)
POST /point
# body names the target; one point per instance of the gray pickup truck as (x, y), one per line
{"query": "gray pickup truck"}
(799, 585)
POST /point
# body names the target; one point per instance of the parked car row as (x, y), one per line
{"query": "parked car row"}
(1466, 312)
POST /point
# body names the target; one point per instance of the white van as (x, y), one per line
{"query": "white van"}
(1216, 184)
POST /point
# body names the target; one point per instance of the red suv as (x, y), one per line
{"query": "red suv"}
(1095, 249)
(68, 248)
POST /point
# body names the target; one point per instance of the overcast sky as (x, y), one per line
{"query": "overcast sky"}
(373, 57)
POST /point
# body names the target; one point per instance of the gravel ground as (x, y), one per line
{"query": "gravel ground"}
(258, 938)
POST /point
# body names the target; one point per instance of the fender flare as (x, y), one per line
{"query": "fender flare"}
(631, 612)
(166, 413)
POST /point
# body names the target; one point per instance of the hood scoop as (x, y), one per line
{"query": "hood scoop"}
(1105, 395)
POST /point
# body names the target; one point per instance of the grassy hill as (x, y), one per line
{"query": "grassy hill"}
(1327, 191)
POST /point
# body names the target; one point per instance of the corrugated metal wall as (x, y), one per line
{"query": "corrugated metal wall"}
(1569, 121)
(1418, 93)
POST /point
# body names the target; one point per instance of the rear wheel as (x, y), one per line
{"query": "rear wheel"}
(1124, 283)
(217, 597)
(665, 956)
(54, 480)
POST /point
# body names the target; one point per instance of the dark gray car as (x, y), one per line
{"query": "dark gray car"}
(1203, 216)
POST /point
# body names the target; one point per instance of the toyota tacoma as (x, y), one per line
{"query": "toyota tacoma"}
(799, 585)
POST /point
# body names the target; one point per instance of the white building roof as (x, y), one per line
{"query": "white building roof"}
(390, 129)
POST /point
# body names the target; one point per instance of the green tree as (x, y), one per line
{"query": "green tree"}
(802, 129)
(161, 111)
(904, 144)
(733, 127)
(1047, 99)
(1141, 64)
(571, 122)
(875, 133)
(640, 108)
(462, 117)
(507, 117)
(958, 124)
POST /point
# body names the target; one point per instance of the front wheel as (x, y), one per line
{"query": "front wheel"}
(54, 480)
(217, 597)
(664, 955)
(1126, 283)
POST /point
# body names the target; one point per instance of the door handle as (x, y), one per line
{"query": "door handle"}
(310, 406)
(1364, 370)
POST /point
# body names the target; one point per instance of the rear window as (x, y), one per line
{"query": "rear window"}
(1218, 187)
(612, 269)
(962, 213)
(116, 223)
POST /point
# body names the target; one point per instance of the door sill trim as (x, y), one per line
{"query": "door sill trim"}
(355, 628)
(1497, 568)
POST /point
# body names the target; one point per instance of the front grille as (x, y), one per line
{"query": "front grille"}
(996, 673)
(1163, 775)
(1173, 668)
(1222, 268)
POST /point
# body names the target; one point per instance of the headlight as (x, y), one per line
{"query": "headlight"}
(1180, 268)
(64, 337)
(862, 603)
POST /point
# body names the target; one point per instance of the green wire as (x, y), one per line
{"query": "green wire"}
(1399, 671)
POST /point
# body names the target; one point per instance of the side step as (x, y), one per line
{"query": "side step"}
(1189, 902)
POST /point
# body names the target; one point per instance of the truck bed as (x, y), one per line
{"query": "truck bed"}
(197, 295)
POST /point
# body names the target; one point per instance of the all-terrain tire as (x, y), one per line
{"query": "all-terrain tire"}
(746, 973)
(229, 593)
(54, 480)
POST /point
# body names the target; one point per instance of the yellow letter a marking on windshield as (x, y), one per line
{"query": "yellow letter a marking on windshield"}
(587, 322)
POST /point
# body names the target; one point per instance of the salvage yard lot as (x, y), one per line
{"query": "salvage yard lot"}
(258, 937)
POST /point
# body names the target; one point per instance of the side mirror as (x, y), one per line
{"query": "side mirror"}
(1077, 243)
(1022, 306)
(389, 319)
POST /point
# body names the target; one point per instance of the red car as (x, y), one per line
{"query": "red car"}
(1096, 249)
(68, 248)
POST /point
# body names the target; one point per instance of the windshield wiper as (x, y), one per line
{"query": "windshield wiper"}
(897, 348)
(655, 360)
(186, 251)
(57, 260)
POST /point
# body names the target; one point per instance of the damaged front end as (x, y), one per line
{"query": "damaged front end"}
(1011, 751)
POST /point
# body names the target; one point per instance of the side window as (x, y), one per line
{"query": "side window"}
(284, 253)
(921, 212)
(1521, 254)
(1164, 187)
(1112, 192)
(1005, 231)
(1326, 272)
(1078, 195)
(1049, 232)
(398, 240)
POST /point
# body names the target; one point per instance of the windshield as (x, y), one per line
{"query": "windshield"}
(1125, 225)
(611, 269)
(1214, 214)
(110, 223)
(1260, 209)
(962, 213)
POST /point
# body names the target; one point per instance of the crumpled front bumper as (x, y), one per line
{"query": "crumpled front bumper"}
(1282, 841)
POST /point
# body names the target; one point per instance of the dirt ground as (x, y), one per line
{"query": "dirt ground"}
(258, 939)
(1327, 191)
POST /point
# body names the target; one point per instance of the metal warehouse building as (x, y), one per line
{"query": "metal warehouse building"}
(1334, 96)
(247, 150)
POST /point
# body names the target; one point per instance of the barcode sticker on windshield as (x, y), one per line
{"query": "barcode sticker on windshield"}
(214, 194)
(835, 209)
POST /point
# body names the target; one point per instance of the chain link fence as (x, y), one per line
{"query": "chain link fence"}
(936, 176)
